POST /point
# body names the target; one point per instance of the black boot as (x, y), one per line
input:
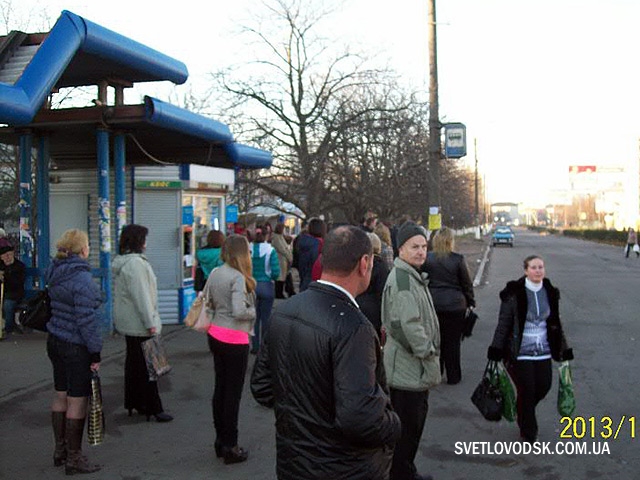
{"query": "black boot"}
(76, 462)
(58, 421)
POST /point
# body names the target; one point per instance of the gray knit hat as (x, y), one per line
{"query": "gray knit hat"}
(408, 230)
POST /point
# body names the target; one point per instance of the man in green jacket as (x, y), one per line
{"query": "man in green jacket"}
(412, 350)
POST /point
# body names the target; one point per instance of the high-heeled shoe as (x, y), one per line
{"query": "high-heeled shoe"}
(234, 455)
(161, 417)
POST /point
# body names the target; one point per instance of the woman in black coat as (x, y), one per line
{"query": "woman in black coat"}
(371, 300)
(529, 334)
(452, 292)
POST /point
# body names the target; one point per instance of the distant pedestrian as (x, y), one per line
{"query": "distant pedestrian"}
(412, 350)
(208, 257)
(136, 316)
(306, 248)
(12, 276)
(266, 269)
(528, 335)
(370, 300)
(632, 242)
(285, 257)
(73, 346)
(386, 248)
(231, 293)
(320, 369)
(452, 292)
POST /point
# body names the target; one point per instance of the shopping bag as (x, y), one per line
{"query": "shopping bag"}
(636, 248)
(509, 405)
(95, 420)
(156, 358)
(487, 397)
(35, 311)
(199, 317)
(566, 397)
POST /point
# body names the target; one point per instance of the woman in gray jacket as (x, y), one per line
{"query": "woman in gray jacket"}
(230, 293)
(135, 314)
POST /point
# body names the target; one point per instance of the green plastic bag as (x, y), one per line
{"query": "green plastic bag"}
(509, 406)
(566, 398)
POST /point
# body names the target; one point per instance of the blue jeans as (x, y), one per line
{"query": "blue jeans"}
(8, 313)
(265, 294)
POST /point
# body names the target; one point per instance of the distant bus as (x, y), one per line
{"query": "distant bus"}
(505, 213)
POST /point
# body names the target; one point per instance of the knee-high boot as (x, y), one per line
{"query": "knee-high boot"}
(76, 462)
(58, 421)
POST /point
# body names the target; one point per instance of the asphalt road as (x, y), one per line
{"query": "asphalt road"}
(600, 302)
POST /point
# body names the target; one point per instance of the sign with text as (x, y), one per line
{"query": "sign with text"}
(455, 140)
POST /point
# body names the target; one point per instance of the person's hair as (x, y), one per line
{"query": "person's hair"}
(527, 260)
(343, 248)
(71, 243)
(279, 228)
(443, 242)
(235, 253)
(215, 239)
(316, 228)
(132, 239)
(383, 233)
(376, 244)
(369, 221)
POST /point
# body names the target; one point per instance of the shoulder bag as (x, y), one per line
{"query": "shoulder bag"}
(35, 311)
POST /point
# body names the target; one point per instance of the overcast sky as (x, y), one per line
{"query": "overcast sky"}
(541, 84)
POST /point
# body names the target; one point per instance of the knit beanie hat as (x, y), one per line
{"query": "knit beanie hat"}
(408, 230)
(5, 247)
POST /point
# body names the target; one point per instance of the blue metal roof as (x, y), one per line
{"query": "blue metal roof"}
(79, 52)
(72, 34)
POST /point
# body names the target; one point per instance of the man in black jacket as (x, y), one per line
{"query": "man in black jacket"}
(320, 367)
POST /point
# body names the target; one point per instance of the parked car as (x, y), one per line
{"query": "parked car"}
(502, 235)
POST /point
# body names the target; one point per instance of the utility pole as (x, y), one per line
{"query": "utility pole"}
(475, 153)
(435, 150)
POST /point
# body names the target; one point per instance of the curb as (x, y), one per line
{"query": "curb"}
(478, 277)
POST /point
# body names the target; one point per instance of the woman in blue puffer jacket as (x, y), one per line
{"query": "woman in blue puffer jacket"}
(73, 346)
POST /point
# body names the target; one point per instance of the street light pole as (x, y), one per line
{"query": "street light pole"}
(435, 150)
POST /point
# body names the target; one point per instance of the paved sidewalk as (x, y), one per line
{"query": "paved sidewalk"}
(134, 449)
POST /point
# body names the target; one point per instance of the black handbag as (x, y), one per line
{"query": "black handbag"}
(487, 396)
(35, 311)
(470, 320)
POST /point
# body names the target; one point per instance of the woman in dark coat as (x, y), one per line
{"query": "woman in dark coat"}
(529, 334)
(452, 292)
(73, 346)
(306, 248)
(370, 301)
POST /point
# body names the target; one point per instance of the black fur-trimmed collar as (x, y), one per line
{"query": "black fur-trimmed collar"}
(515, 286)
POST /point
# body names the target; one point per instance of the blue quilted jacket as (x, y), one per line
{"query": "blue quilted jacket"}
(75, 299)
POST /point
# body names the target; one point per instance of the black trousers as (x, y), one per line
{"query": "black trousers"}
(412, 408)
(139, 392)
(533, 382)
(230, 366)
(451, 325)
(279, 289)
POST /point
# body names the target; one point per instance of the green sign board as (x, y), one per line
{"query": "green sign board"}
(172, 184)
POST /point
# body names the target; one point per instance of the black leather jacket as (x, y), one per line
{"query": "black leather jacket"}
(320, 367)
(449, 282)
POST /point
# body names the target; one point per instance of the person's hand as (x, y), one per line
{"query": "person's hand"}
(152, 330)
(95, 367)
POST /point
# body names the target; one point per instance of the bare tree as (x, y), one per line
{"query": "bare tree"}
(298, 97)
